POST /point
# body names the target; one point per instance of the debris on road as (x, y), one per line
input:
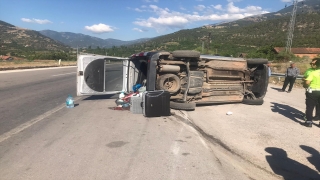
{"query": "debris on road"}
(229, 113)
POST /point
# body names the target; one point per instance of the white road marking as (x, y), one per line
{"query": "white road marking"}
(35, 69)
(26, 125)
(64, 74)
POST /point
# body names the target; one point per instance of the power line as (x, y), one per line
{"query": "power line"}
(291, 26)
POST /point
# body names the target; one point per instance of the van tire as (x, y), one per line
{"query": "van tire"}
(169, 82)
(183, 106)
(186, 54)
(257, 61)
(253, 101)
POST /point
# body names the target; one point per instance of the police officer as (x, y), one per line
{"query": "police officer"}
(305, 75)
(313, 93)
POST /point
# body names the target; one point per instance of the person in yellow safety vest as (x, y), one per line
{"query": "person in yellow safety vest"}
(305, 75)
(313, 93)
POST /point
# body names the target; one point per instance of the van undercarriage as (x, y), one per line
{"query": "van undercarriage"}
(203, 79)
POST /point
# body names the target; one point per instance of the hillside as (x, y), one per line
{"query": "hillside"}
(224, 38)
(241, 36)
(75, 40)
(17, 40)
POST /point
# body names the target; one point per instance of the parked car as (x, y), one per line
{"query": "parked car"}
(191, 78)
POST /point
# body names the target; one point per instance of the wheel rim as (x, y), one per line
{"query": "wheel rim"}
(170, 84)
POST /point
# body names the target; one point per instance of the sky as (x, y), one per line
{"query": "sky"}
(129, 19)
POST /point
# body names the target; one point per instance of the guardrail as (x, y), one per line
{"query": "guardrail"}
(279, 75)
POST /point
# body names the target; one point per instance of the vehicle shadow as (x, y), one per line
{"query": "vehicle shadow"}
(314, 158)
(99, 97)
(288, 168)
(288, 111)
(214, 104)
(277, 89)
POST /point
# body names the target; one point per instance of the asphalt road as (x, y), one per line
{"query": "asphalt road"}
(27, 94)
(41, 139)
(45, 140)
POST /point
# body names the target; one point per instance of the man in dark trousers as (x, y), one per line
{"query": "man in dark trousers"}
(291, 75)
(313, 93)
(306, 74)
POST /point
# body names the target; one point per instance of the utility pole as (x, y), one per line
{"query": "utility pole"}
(202, 40)
(291, 26)
(206, 40)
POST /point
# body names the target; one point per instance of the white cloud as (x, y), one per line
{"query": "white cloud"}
(164, 18)
(289, 1)
(143, 8)
(182, 8)
(249, 9)
(38, 21)
(200, 7)
(100, 28)
(218, 7)
(150, 1)
(138, 10)
(26, 20)
(232, 9)
(157, 23)
(139, 30)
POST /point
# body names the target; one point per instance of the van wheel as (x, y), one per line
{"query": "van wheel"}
(186, 54)
(169, 82)
(257, 61)
(183, 106)
(253, 101)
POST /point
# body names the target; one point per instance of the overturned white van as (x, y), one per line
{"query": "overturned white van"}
(190, 78)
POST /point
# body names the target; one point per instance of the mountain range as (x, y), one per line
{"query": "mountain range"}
(75, 40)
(244, 35)
(238, 36)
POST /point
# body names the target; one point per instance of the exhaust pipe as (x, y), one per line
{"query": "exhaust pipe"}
(169, 68)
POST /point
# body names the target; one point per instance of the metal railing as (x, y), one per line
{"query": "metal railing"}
(279, 75)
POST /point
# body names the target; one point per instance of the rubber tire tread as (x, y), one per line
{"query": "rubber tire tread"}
(253, 101)
(257, 61)
(183, 106)
(186, 54)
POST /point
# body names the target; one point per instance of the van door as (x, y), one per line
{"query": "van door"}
(97, 75)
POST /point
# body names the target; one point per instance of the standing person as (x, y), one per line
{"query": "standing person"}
(313, 94)
(269, 68)
(291, 75)
(305, 75)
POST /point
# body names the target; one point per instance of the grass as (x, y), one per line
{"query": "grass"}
(22, 64)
